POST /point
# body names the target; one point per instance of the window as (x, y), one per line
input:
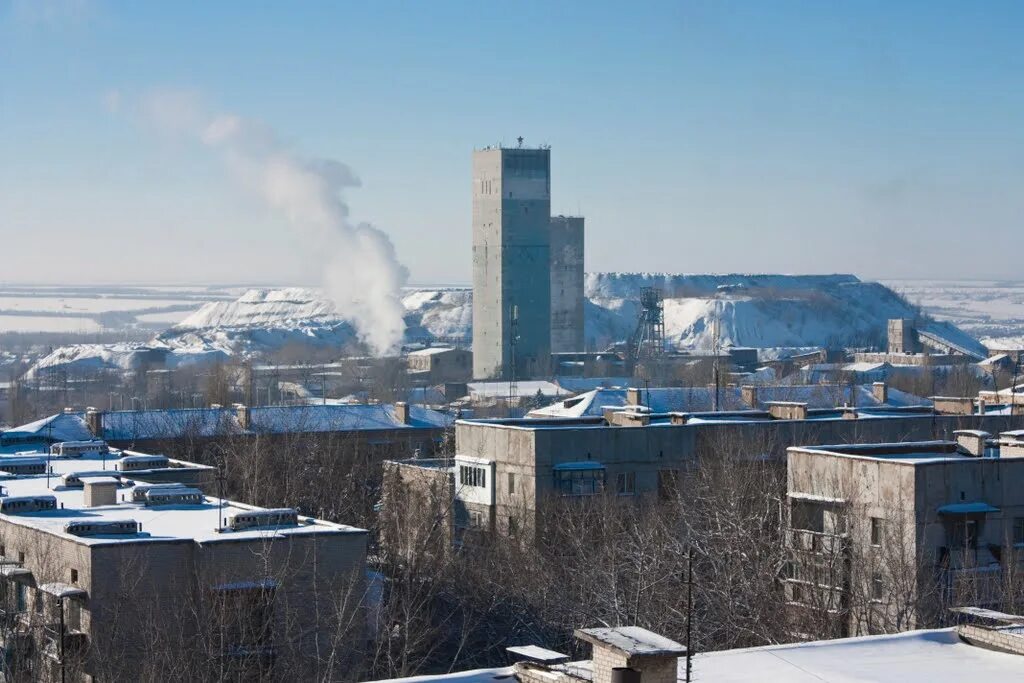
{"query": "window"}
(808, 516)
(513, 526)
(244, 618)
(74, 615)
(579, 482)
(74, 576)
(3, 551)
(37, 602)
(511, 482)
(668, 484)
(476, 519)
(877, 587)
(472, 476)
(877, 528)
(625, 483)
(797, 592)
(20, 597)
(21, 557)
(1018, 531)
(963, 534)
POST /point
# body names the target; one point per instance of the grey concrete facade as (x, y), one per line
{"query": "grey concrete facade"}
(511, 262)
(647, 459)
(567, 248)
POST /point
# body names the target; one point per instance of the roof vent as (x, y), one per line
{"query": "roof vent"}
(174, 496)
(16, 505)
(263, 518)
(120, 527)
(139, 492)
(23, 465)
(131, 463)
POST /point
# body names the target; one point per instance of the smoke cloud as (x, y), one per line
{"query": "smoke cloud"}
(361, 274)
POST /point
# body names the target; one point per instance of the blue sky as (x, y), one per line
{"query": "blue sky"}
(878, 138)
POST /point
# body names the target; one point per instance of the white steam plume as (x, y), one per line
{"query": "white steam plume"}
(361, 273)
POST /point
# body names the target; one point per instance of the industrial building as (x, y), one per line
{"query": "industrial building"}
(118, 566)
(884, 536)
(511, 262)
(567, 270)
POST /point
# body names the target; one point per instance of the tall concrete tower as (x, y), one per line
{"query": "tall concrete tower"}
(511, 263)
(566, 284)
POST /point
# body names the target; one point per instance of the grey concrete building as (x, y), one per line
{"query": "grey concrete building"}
(117, 566)
(506, 470)
(885, 536)
(511, 262)
(567, 248)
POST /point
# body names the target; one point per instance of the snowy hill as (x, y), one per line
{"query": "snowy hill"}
(763, 311)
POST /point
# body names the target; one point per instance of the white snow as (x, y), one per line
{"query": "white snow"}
(773, 312)
(917, 656)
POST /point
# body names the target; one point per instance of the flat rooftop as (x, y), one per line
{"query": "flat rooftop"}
(159, 523)
(910, 453)
(935, 656)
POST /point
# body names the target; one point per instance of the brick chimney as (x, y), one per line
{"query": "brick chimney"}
(633, 396)
(243, 415)
(880, 390)
(749, 395)
(630, 654)
(94, 421)
(402, 412)
(786, 410)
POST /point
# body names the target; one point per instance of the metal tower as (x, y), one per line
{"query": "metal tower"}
(648, 340)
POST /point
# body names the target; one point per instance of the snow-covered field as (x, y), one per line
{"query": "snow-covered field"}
(85, 309)
(991, 310)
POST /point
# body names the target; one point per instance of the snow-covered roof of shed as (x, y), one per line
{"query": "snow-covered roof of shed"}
(59, 427)
(523, 389)
(702, 399)
(342, 417)
(632, 641)
(432, 351)
(128, 425)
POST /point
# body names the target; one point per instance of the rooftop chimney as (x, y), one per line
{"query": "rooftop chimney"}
(100, 491)
(402, 412)
(633, 396)
(880, 390)
(749, 395)
(242, 415)
(94, 421)
(971, 441)
(786, 410)
(630, 654)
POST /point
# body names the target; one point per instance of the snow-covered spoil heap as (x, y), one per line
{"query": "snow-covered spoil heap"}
(761, 311)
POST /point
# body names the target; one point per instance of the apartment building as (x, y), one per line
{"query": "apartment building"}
(117, 565)
(885, 536)
(506, 470)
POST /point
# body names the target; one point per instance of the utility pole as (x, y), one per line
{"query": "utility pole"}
(689, 612)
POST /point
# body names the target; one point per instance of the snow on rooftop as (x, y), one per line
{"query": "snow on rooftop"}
(631, 640)
(937, 656)
(196, 522)
(59, 427)
(502, 675)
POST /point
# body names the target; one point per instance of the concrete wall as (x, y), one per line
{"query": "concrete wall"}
(567, 269)
(511, 261)
(140, 593)
(531, 453)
